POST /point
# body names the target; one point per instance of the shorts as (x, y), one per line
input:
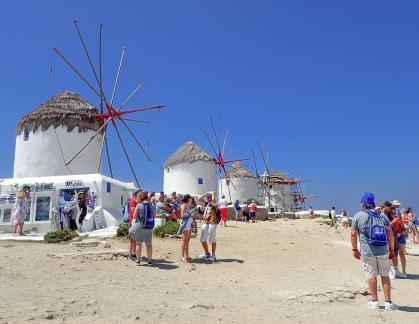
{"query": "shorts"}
(402, 239)
(376, 266)
(139, 234)
(188, 225)
(252, 214)
(209, 232)
(224, 213)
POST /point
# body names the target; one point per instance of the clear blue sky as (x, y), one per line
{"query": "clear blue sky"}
(331, 88)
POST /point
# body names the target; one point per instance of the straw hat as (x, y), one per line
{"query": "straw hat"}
(396, 203)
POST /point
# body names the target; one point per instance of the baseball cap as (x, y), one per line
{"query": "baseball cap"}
(368, 198)
(387, 204)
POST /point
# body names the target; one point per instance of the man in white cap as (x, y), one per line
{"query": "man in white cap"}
(209, 228)
(396, 205)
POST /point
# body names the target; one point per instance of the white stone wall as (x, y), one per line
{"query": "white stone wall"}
(41, 155)
(281, 198)
(246, 188)
(183, 178)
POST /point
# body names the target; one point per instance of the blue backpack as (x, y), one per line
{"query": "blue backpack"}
(147, 217)
(375, 230)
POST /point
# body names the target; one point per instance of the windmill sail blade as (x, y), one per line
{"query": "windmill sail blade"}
(102, 95)
(254, 163)
(229, 192)
(88, 142)
(264, 159)
(117, 76)
(108, 156)
(225, 140)
(101, 152)
(136, 120)
(56, 50)
(212, 146)
(136, 139)
(126, 153)
(134, 110)
(216, 136)
(133, 93)
(100, 72)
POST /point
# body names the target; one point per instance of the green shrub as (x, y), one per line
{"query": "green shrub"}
(169, 228)
(60, 236)
(122, 230)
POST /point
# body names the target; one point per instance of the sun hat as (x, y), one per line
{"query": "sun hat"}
(368, 198)
(396, 203)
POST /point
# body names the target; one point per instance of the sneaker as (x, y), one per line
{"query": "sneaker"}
(149, 263)
(137, 262)
(373, 304)
(212, 258)
(391, 306)
(131, 258)
(205, 256)
(398, 274)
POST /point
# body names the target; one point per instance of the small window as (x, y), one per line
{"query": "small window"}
(26, 134)
(270, 187)
(200, 181)
(108, 187)
(43, 207)
(168, 170)
(6, 215)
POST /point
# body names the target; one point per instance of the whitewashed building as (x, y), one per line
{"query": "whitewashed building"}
(276, 192)
(190, 170)
(245, 184)
(45, 139)
(50, 135)
(49, 195)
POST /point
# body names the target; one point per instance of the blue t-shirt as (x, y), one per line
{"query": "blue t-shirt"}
(416, 220)
(358, 224)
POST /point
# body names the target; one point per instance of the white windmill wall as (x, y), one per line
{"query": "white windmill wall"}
(183, 178)
(41, 154)
(281, 198)
(246, 188)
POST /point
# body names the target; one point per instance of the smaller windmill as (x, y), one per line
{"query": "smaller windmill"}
(298, 194)
(265, 179)
(219, 158)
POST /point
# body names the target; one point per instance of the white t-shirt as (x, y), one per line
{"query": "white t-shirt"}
(222, 203)
(333, 213)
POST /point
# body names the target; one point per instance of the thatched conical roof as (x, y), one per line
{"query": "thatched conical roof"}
(278, 177)
(65, 109)
(237, 170)
(187, 153)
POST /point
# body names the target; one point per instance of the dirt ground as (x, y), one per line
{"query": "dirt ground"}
(280, 271)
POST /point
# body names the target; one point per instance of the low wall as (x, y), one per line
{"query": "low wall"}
(262, 213)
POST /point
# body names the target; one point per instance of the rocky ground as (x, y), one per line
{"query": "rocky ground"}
(298, 271)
